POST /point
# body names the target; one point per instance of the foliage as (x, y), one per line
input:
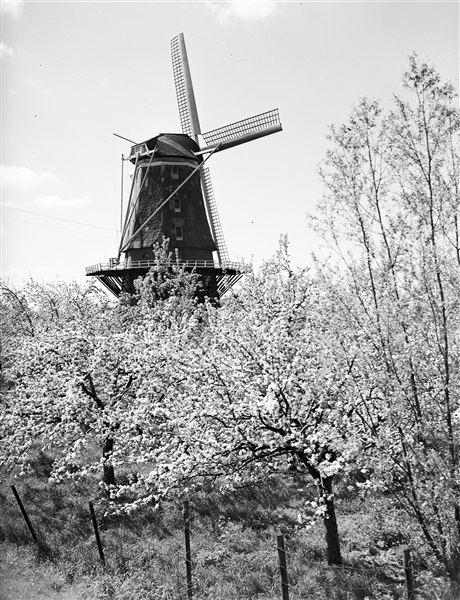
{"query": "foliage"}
(75, 370)
(263, 391)
(391, 214)
(176, 392)
(35, 308)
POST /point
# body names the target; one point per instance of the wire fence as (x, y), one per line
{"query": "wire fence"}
(404, 567)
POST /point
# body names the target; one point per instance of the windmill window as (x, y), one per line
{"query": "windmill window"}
(174, 173)
(175, 205)
(138, 150)
(179, 233)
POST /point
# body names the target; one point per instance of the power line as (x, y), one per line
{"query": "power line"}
(58, 218)
(99, 235)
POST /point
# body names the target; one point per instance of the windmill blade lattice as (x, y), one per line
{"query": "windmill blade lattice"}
(216, 227)
(184, 91)
(257, 126)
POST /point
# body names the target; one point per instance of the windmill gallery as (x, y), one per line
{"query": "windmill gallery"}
(171, 195)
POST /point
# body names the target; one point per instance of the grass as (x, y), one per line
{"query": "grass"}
(23, 577)
(233, 547)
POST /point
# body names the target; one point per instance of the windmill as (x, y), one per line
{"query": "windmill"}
(171, 195)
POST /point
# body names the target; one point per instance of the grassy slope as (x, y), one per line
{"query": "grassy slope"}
(22, 577)
(233, 548)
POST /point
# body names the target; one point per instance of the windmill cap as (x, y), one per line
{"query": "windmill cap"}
(166, 145)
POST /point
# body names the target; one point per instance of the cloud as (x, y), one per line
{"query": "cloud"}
(13, 8)
(41, 89)
(6, 51)
(22, 179)
(58, 202)
(242, 10)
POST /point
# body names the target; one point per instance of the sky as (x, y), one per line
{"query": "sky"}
(75, 73)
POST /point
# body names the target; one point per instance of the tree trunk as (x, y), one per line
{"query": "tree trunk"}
(108, 476)
(453, 568)
(334, 556)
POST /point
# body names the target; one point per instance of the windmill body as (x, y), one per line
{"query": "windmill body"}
(171, 196)
(168, 160)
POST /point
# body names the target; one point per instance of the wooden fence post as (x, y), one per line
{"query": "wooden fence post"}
(283, 567)
(408, 574)
(96, 533)
(188, 555)
(24, 514)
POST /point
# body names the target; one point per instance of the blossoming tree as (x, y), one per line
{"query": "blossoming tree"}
(264, 391)
(392, 216)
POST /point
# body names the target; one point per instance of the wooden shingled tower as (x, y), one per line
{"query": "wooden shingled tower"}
(171, 196)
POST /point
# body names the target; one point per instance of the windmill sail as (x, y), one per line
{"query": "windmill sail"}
(191, 126)
(216, 227)
(243, 131)
(184, 90)
(129, 209)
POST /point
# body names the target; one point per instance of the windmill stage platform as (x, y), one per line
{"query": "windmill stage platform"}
(216, 278)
